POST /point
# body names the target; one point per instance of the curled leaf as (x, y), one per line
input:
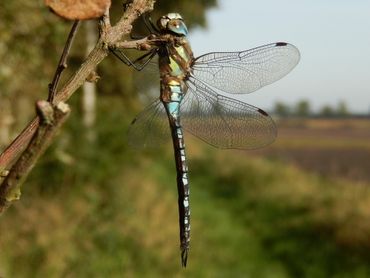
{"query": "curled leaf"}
(78, 9)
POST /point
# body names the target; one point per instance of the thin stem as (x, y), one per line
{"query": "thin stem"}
(62, 65)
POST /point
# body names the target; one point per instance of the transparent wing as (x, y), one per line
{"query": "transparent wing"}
(150, 128)
(224, 122)
(246, 71)
(147, 81)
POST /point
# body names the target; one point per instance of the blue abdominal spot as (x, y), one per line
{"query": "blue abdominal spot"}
(173, 108)
(176, 97)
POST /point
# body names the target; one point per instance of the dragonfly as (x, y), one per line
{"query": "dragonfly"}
(196, 95)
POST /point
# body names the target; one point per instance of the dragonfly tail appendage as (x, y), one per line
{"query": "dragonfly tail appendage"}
(184, 257)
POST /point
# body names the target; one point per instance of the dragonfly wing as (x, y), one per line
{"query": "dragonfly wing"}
(150, 128)
(147, 81)
(224, 122)
(246, 71)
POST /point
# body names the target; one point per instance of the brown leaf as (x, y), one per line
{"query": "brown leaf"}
(78, 9)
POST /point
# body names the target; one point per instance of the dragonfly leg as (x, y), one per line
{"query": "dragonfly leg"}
(150, 25)
(136, 37)
(137, 63)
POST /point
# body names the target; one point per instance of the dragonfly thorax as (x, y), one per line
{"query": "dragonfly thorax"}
(172, 23)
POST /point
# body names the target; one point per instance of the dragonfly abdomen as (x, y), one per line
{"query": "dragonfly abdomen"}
(183, 192)
(172, 96)
(174, 66)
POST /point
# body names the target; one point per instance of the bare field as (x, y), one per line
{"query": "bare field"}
(338, 148)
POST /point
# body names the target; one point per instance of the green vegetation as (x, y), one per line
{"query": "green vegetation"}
(113, 212)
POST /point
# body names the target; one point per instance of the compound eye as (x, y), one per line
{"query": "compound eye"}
(178, 27)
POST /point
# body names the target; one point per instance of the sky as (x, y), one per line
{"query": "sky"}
(333, 37)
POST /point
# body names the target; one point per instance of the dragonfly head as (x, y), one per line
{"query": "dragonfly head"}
(172, 23)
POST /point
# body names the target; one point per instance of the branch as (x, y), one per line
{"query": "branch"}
(51, 119)
(39, 133)
(108, 36)
(62, 65)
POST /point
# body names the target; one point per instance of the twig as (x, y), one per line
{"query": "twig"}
(51, 119)
(10, 154)
(108, 36)
(62, 65)
(37, 136)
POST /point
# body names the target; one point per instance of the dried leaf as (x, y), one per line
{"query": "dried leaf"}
(78, 9)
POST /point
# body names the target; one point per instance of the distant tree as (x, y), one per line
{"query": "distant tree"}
(342, 109)
(327, 111)
(281, 109)
(303, 108)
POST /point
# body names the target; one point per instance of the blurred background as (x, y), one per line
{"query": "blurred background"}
(93, 207)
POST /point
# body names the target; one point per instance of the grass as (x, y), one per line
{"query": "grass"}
(113, 213)
(255, 218)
